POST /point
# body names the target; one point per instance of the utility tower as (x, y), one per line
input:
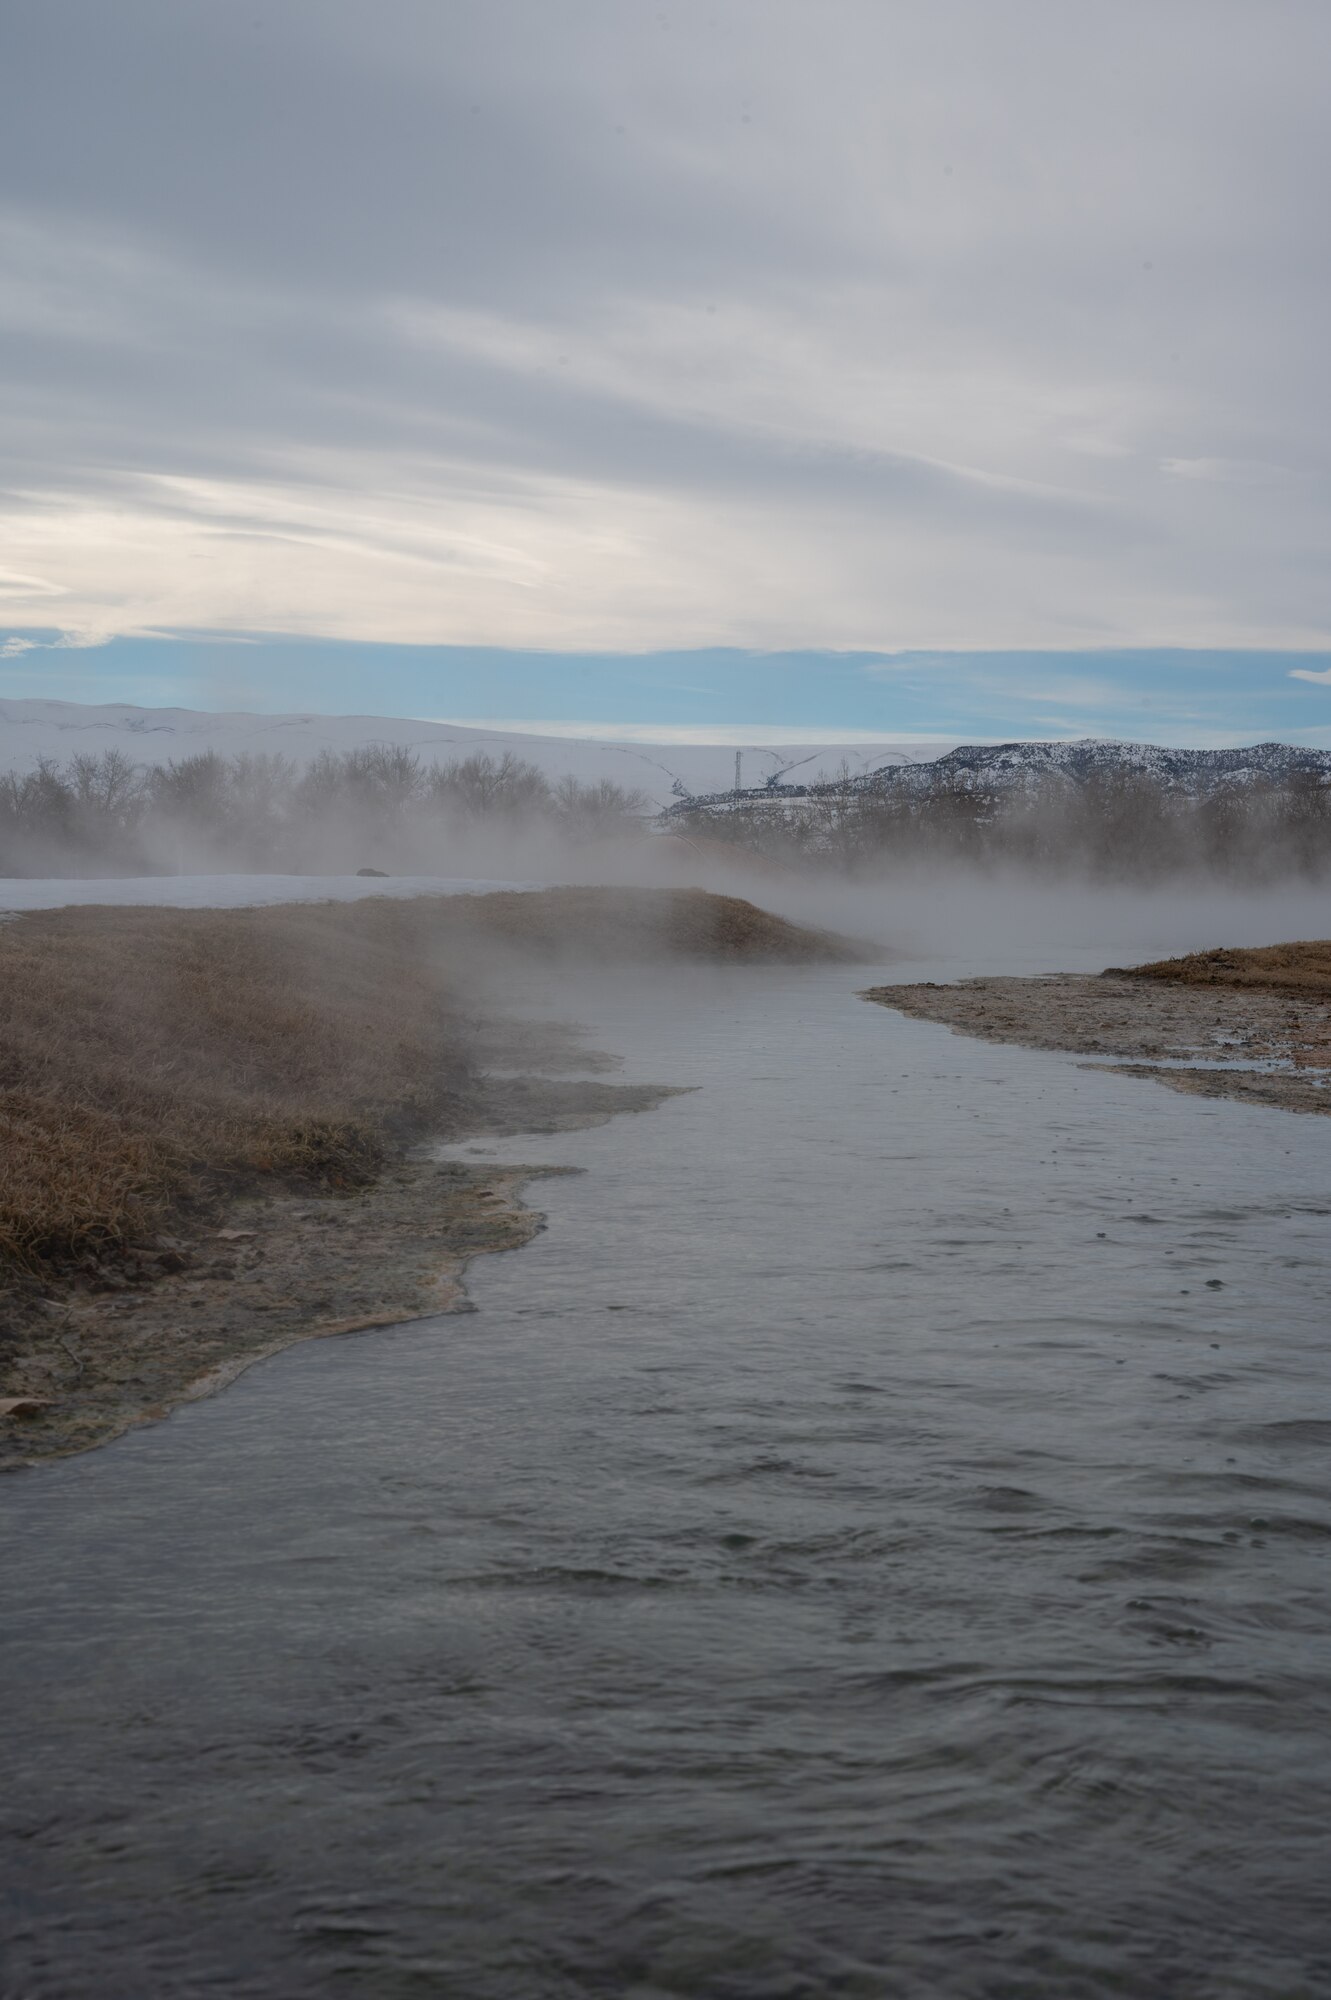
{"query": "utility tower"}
(738, 758)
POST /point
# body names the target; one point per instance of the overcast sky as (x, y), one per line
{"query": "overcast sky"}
(770, 324)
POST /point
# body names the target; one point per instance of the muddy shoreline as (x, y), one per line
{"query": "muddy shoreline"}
(1272, 1047)
(84, 1364)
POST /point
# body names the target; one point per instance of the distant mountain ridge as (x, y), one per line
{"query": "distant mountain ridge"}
(1015, 766)
(1008, 769)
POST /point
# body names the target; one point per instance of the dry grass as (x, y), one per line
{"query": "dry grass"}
(153, 1060)
(643, 924)
(1301, 968)
(149, 1059)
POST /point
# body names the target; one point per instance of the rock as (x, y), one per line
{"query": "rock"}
(380, 873)
(22, 1406)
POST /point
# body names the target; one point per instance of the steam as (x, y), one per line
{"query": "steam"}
(377, 808)
(961, 885)
(1120, 825)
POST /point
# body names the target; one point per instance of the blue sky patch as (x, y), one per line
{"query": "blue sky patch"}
(1170, 696)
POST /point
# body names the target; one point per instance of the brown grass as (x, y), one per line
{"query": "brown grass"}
(1301, 968)
(643, 924)
(153, 1060)
(149, 1059)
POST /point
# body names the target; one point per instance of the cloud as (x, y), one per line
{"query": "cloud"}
(612, 326)
(59, 642)
(1307, 674)
(27, 589)
(1230, 471)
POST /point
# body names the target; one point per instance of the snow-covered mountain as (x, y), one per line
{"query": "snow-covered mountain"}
(1008, 767)
(1003, 769)
(33, 730)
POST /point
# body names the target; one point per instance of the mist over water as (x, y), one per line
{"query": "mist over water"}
(972, 923)
(385, 809)
(967, 916)
(874, 1542)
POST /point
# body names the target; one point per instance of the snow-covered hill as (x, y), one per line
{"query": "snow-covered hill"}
(1004, 769)
(33, 730)
(1008, 767)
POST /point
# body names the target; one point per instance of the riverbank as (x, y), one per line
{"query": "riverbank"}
(213, 1123)
(1252, 1025)
(88, 1360)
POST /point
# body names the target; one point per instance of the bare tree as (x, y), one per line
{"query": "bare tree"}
(477, 787)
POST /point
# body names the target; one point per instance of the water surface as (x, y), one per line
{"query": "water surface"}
(875, 1542)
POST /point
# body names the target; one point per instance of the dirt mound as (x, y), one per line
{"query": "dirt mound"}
(642, 924)
(1303, 968)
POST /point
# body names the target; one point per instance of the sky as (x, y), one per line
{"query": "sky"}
(944, 368)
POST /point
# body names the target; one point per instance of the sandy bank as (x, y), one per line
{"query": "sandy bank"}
(1251, 1025)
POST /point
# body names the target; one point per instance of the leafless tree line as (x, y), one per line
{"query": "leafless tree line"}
(1124, 826)
(380, 806)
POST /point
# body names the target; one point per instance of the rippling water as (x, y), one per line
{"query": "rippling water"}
(876, 1542)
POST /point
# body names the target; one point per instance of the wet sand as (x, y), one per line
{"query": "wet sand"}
(190, 1312)
(1258, 1045)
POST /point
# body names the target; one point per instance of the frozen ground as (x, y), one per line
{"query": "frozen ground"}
(231, 892)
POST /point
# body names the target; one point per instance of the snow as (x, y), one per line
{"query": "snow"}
(229, 892)
(32, 730)
(1034, 767)
(1026, 765)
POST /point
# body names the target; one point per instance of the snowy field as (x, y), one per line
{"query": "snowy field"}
(33, 730)
(230, 892)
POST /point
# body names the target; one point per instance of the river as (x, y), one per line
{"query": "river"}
(876, 1542)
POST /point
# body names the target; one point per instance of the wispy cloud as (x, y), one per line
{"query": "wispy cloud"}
(21, 589)
(17, 644)
(559, 327)
(1231, 471)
